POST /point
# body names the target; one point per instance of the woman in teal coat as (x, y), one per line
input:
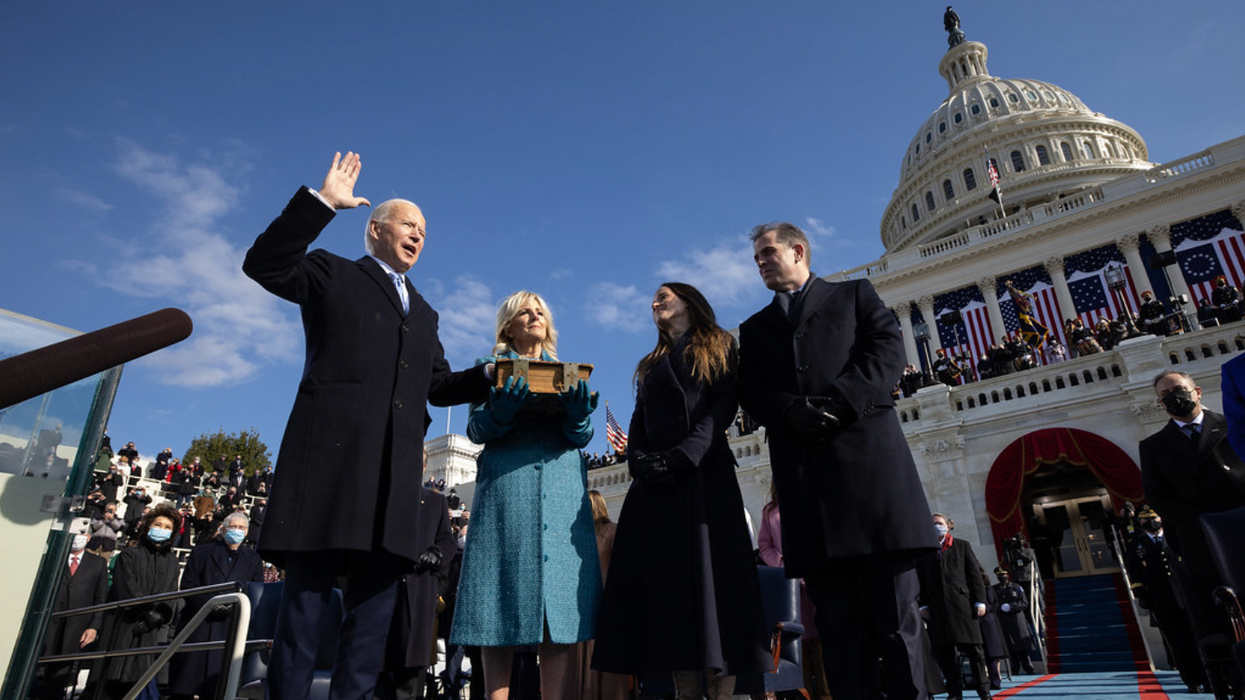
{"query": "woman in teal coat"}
(530, 572)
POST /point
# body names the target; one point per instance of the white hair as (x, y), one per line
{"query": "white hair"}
(380, 215)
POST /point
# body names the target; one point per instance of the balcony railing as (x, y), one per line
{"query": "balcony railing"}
(1214, 345)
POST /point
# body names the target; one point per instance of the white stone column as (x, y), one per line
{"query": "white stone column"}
(1161, 237)
(904, 312)
(990, 292)
(926, 305)
(1054, 268)
(1130, 245)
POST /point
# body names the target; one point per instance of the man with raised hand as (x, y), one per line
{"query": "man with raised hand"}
(349, 469)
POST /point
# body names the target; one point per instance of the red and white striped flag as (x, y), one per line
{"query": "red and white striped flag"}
(614, 434)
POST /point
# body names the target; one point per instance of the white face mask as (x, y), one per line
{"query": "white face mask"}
(79, 543)
(942, 530)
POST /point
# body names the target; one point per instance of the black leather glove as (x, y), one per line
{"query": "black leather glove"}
(651, 468)
(430, 560)
(809, 416)
(149, 621)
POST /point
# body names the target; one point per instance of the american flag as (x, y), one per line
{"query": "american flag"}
(996, 193)
(1207, 247)
(1088, 283)
(974, 334)
(614, 434)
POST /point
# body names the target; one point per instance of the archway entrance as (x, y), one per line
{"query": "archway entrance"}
(1060, 486)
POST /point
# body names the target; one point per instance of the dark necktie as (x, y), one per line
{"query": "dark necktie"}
(1192, 430)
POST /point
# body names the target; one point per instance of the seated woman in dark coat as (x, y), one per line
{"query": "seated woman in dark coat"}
(221, 559)
(682, 595)
(146, 568)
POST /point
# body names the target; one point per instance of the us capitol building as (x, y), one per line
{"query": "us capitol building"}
(1084, 225)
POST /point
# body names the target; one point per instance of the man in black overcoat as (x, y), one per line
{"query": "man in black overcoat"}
(83, 582)
(349, 461)
(816, 369)
(1013, 616)
(1189, 468)
(409, 650)
(953, 597)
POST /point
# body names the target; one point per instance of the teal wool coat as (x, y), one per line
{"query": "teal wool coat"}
(531, 552)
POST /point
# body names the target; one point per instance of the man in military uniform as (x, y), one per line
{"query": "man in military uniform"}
(1149, 556)
(1226, 300)
(1013, 616)
(1152, 312)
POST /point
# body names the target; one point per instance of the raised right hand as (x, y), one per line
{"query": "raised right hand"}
(338, 187)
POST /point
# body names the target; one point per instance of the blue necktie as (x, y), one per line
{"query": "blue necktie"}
(400, 282)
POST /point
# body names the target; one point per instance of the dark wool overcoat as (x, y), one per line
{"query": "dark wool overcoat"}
(858, 493)
(682, 591)
(410, 635)
(209, 563)
(951, 586)
(349, 468)
(142, 570)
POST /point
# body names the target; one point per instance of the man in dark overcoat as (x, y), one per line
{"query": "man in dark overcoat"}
(83, 582)
(953, 597)
(218, 560)
(816, 369)
(1189, 468)
(348, 468)
(1013, 616)
(409, 650)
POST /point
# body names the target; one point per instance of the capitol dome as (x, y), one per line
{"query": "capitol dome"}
(1046, 145)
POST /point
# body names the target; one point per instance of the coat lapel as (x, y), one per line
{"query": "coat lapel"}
(380, 277)
(817, 293)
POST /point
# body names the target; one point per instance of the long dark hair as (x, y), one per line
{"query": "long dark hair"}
(711, 352)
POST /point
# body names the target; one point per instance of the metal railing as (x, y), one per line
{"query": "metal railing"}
(229, 593)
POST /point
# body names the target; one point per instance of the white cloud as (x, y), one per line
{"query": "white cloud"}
(87, 201)
(187, 262)
(725, 275)
(818, 229)
(468, 318)
(615, 307)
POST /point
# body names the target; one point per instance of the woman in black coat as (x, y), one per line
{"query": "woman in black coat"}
(953, 597)
(146, 568)
(682, 594)
(219, 560)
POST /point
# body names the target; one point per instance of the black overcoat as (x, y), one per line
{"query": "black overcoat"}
(1182, 480)
(410, 635)
(682, 590)
(1015, 621)
(196, 672)
(349, 465)
(860, 492)
(89, 586)
(142, 570)
(951, 586)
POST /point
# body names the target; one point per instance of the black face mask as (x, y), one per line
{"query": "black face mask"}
(1152, 525)
(1179, 402)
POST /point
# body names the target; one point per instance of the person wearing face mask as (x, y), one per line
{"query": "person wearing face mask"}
(1012, 610)
(1154, 591)
(147, 567)
(952, 597)
(1227, 301)
(219, 560)
(84, 582)
(1189, 468)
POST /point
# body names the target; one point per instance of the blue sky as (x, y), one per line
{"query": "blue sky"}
(587, 151)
